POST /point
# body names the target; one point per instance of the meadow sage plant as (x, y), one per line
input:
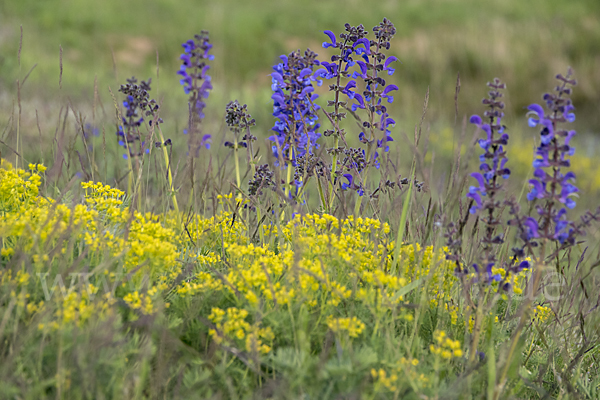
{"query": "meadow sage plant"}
(368, 67)
(336, 70)
(488, 277)
(296, 128)
(492, 171)
(239, 120)
(552, 185)
(197, 83)
(137, 106)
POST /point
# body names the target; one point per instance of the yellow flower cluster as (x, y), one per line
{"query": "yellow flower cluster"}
(79, 307)
(103, 197)
(19, 189)
(353, 326)
(322, 261)
(139, 302)
(444, 346)
(427, 263)
(452, 311)
(326, 265)
(404, 368)
(542, 313)
(231, 325)
(141, 248)
(381, 378)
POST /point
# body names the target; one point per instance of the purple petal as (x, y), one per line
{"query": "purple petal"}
(536, 108)
(523, 265)
(277, 77)
(532, 224)
(539, 173)
(480, 179)
(570, 135)
(364, 42)
(476, 119)
(363, 68)
(331, 37)
(305, 72)
(306, 90)
(388, 61)
(389, 89)
(569, 175)
(538, 189)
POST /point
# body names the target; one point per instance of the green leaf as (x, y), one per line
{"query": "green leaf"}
(406, 289)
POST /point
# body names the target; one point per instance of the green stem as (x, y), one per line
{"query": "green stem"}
(326, 206)
(364, 181)
(237, 169)
(169, 175)
(289, 174)
(403, 217)
(333, 164)
(522, 322)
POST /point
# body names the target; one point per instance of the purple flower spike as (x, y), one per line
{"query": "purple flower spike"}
(554, 153)
(296, 127)
(197, 83)
(137, 105)
(364, 59)
(493, 159)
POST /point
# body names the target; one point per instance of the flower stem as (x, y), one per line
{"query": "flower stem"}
(169, 175)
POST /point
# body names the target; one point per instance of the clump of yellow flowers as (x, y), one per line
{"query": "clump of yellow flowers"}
(312, 279)
(353, 326)
(445, 347)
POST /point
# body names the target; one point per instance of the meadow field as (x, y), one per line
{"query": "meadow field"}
(299, 200)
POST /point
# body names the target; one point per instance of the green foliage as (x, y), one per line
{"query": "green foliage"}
(212, 314)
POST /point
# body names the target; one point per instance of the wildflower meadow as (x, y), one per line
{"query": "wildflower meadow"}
(324, 257)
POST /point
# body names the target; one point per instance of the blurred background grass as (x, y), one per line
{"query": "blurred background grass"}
(525, 43)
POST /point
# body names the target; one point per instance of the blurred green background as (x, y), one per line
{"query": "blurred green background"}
(525, 43)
